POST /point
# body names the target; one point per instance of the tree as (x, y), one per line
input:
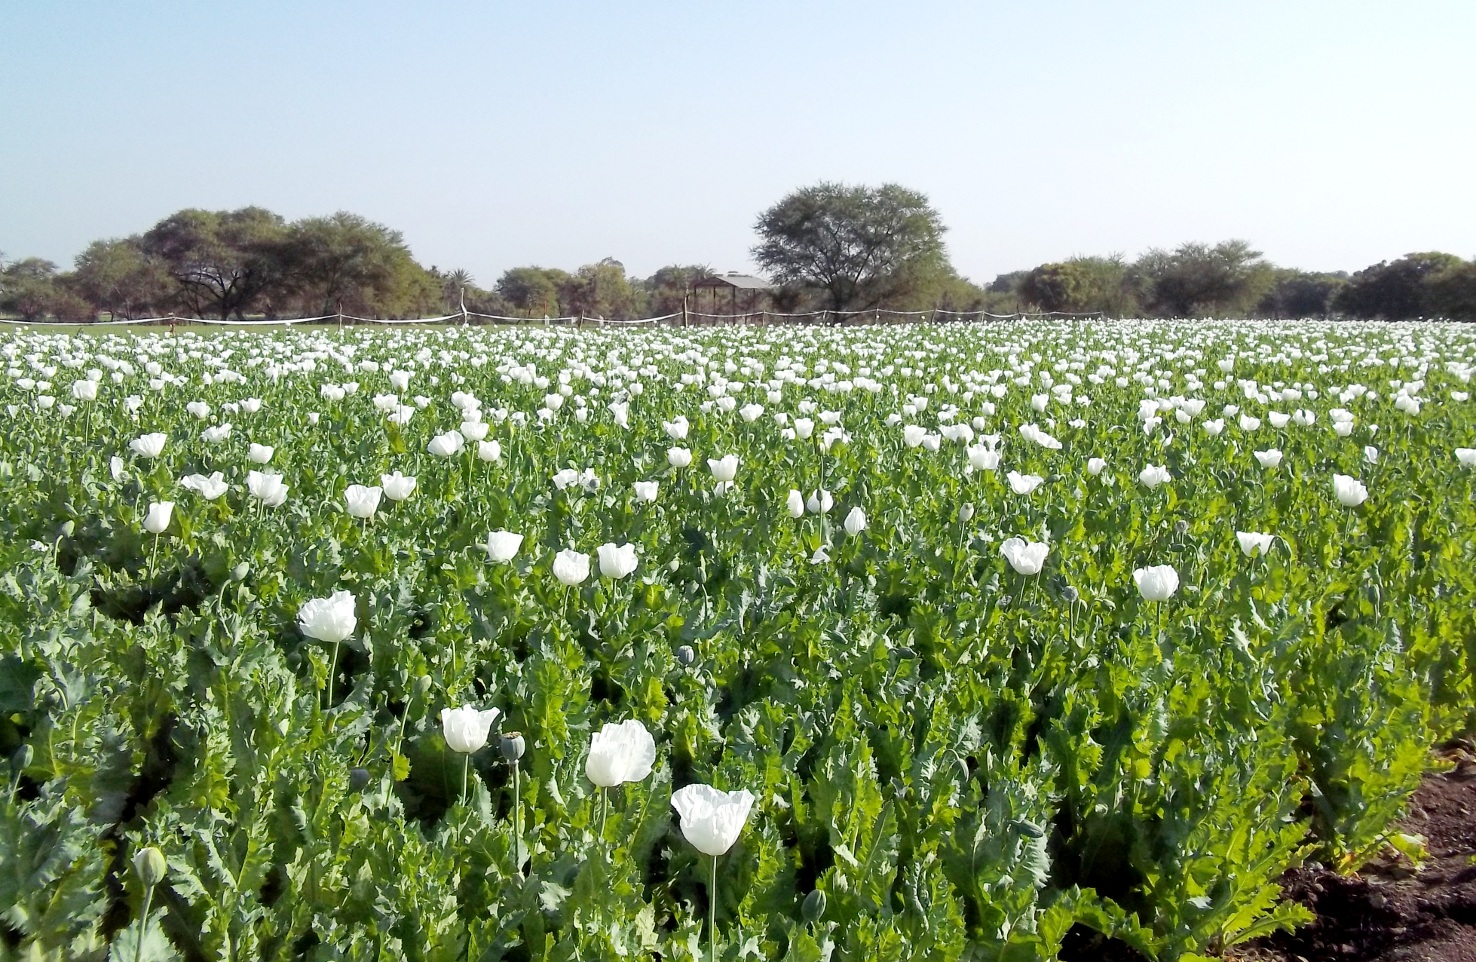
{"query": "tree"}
(1393, 291)
(118, 277)
(27, 288)
(600, 290)
(1083, 285)
(1300, 294)
(343, 262)
(224, 262)
(532, 290)
(1451, 291)
(1196, 279)
(859, 247)
(667, 289)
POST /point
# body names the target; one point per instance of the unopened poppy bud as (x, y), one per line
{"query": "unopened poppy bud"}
(1028, 828)
(21, 760)
(512, 746)
(68, 528)
(240, 571)
(150, 865)
(814, 907)
(358, 779)
(685, 655)
(1181, 528)
(422, 684)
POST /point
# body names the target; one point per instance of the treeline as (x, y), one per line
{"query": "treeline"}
(878, 247)
(232, 265)
(1232, 280)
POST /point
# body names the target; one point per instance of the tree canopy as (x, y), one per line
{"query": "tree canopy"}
(1395, 290)
(859, 247)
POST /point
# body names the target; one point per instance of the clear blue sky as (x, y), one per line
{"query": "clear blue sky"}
(493, 134)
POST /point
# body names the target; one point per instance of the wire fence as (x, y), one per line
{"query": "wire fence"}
(683, 318)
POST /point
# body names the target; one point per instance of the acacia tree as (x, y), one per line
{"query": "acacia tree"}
(860, 247)
(1228, 278)
(224, 262)
(343, 261)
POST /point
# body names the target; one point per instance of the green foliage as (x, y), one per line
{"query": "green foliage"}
(347, 262)
(533, 291)
(1083, 284)
(1196, 280)
(222, 261)
(118, 277)
(858, 247)
(1300, 294)
(950, 760)
(1396, 291)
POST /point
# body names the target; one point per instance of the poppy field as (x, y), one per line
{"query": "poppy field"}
(1034, 640)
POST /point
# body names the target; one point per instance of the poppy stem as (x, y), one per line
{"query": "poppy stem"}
(332, 671)
(143, 923)
(517, 822)
(712, 914)
(604, 810)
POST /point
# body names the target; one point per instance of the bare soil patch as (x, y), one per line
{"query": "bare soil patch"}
(1389, 911)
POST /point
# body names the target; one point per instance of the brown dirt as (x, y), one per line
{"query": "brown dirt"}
(1391, 911)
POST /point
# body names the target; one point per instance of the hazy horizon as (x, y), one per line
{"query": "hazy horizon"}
(1331, 136)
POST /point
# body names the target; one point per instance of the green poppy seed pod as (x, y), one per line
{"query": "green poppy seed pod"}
(814, 907)
(686, 655)
(150, 866)
(512, 746)
(68, 528)
(240, 571)
(1181, 528)
(422, 684)
(1070, 594)
(22, 758)
(358, 779)
(1028, 828)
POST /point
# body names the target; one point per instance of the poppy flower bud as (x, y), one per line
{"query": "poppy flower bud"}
(814, 906)
(240, 571)
(358, 779)
(685, 655)
(1028, 828)
(68, 528)
(150, 865)
(512, 746)
(1181, 527)
(21, 760)
(422, 684)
